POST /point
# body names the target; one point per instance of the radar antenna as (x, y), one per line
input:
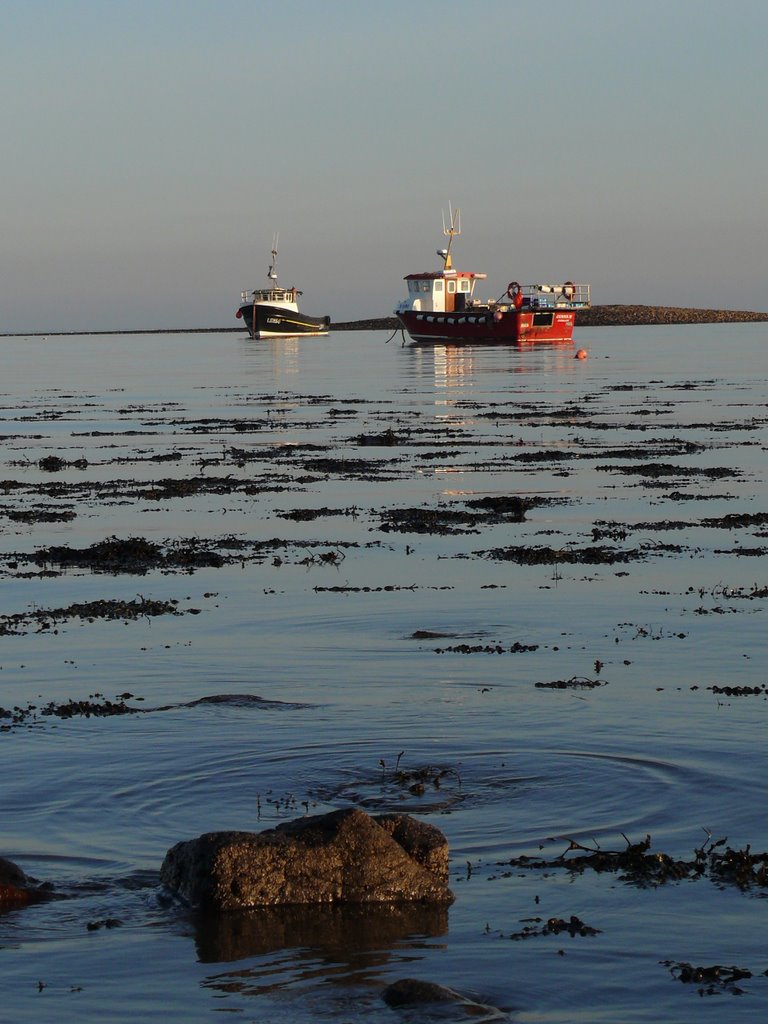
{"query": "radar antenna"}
(453, 229)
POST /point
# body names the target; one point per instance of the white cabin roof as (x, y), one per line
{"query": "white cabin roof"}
(439, 275)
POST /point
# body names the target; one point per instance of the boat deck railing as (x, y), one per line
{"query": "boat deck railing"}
(554, 296)
(269, 295)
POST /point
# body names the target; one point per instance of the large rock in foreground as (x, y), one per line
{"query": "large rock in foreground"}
(342, 857)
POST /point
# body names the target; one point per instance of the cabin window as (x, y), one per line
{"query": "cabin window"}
(438, 286)
(451, 286)
(425, 286)
(464, 285)
(413, 286)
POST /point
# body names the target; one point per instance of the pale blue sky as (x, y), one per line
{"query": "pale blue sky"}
(152, 147)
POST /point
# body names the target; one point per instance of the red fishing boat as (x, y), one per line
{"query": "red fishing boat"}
(441, 306)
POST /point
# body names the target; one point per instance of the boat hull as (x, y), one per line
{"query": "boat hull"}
(265, 321)
(509, 326)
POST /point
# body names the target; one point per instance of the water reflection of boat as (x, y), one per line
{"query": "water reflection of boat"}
(462, 366)
(273, 312)
(441, 306)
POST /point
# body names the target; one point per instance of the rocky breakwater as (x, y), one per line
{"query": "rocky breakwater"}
(617, 315)
(643, 316)
(345, 857)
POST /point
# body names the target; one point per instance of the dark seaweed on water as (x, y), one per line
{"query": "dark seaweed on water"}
(637, 865)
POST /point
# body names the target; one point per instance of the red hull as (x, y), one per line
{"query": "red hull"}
(486, 326)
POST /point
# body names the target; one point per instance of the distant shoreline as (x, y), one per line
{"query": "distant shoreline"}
(596, 316)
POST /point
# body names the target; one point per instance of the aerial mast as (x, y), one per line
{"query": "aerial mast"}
(454, 228)
(272, 272)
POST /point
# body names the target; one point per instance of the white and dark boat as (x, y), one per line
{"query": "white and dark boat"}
(273, 312)
(442, 307)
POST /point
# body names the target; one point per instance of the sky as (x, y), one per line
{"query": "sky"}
(151, 149)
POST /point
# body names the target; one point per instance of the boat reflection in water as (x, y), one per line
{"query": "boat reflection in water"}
(455, 366)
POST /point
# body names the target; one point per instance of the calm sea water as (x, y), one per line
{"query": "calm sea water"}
(329, 627)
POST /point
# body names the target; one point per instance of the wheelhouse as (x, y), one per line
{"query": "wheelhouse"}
(270, 295)
(443, 292)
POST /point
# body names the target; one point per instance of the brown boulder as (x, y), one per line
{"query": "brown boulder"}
(16, 888)
(342, 857)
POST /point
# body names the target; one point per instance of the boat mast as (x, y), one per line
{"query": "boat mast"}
(454, 228)
(272, 272)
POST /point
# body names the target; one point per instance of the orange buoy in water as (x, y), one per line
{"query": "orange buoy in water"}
(581, 353)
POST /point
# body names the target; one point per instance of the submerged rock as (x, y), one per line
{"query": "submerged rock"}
(342, 857)
(409, 993)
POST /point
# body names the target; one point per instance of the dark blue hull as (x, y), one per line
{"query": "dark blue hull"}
(265, 321)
